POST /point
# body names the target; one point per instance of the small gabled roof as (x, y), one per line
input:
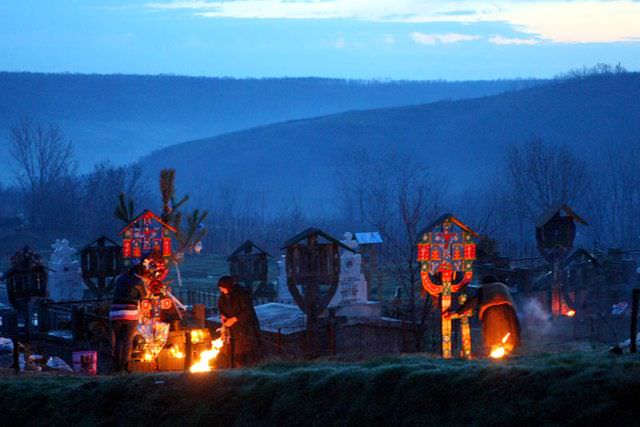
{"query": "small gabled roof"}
(577, 254)
(556, 209)
(147, 214)
(104, 239)
(451, 218)
(247, 246)
(314, 231)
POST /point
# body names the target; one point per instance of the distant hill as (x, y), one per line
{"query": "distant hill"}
(461, 139)
(122, 117)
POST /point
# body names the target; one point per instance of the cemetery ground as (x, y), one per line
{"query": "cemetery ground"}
(566, 388)
(553, 383)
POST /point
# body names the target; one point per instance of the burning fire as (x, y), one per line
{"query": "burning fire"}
(203, 365)
(176, 353)
(197, 336)
(148, 357)
(499, 351)
(570, 313)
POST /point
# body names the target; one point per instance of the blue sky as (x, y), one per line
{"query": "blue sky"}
(395, 39)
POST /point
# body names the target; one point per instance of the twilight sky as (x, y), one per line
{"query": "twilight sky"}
(397, 39)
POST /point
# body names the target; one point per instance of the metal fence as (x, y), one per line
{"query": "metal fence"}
(191, 297)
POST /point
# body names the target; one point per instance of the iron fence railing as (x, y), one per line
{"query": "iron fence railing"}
(191, 297)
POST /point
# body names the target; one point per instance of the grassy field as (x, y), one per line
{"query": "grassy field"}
(201, 271)
(561, 389)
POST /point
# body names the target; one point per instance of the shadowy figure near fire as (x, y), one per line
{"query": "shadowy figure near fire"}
(239, 325)
(497, 314)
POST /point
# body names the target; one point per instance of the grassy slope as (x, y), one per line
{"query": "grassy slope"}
(567, 389)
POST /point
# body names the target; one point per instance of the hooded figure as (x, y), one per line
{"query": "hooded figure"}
(500, 325)
(239, 319)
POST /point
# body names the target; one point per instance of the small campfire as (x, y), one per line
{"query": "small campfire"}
(499, 351)
(570, 313)
(207, 356)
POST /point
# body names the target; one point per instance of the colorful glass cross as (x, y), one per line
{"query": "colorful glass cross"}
(446, 257)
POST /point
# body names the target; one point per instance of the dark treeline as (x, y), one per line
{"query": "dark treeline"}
(223, 100)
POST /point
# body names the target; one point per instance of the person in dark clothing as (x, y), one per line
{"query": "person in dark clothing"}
(500, 325)
(239, 320)
(129, 290)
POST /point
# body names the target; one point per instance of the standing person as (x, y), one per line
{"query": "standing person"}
(500, 325)
(238, 318)
(129, 290)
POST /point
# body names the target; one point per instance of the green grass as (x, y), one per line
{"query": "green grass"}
(203, 271)
(200, 271)
(561, 389)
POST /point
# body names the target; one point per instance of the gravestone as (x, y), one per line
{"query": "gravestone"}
(65, 278)
(352, 288)
(284, 296)
(351, 297)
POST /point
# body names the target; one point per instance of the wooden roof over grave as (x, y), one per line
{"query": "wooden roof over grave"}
(248, 247)
(577, 255)
(453, 219)
(556, 210)
(147, 214)
(101, 241)
(314, 232)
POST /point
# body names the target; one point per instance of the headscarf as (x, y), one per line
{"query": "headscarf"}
(226, 282)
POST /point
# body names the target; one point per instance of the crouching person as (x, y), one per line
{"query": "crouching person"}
(497, 314)
(240, 323)
(129, 290)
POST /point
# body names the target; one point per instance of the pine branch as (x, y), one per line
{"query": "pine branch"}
(167, 190)
(124, 211)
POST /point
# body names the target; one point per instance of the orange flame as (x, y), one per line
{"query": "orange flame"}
(197, 336)
(176, 353)
(570, 313)
(204, 364)
(500, 351)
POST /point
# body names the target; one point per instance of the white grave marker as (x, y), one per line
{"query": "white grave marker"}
(65, 278)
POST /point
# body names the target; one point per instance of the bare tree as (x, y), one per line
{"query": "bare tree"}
(100, 190)
(538, 177)
(614, 198)
(44, 165)
(396, 195)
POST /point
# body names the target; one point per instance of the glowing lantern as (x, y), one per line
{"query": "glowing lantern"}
(446, 257)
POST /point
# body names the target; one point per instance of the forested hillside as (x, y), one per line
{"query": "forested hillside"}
(462, 140)
(122, 117)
